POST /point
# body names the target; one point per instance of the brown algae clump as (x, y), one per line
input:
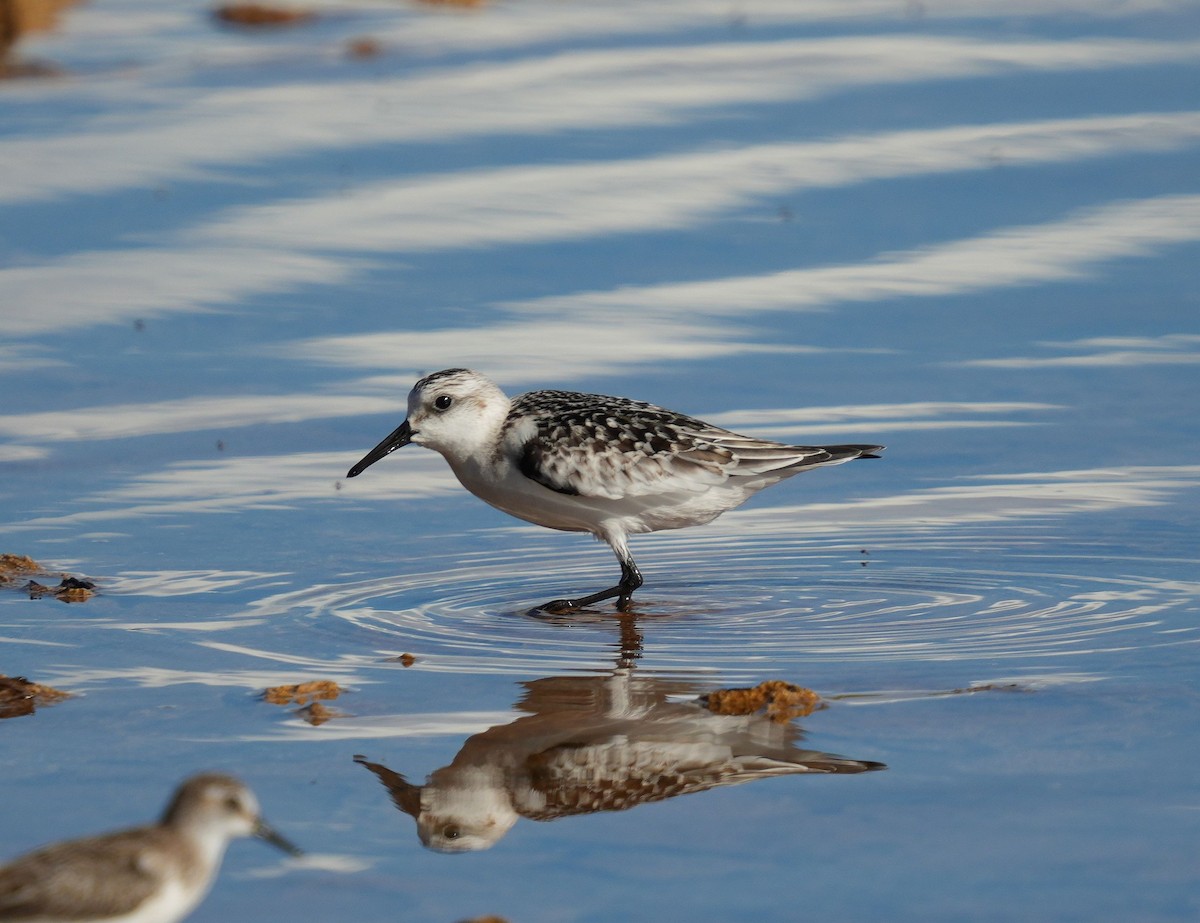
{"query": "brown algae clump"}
(303, 693)
(12, 565)
(781, 701)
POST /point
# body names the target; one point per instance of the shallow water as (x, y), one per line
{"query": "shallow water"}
(967, 230)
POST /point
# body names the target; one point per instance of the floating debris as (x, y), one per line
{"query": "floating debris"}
(781, 701)
(11, 564)
(310, 695)
(70, 590)
(257, 15)
(302, 693)
(17, 567)
(18, 696)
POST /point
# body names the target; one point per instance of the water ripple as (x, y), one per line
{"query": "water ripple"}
(767, 601)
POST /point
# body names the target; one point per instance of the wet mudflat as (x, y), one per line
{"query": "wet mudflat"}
(965, 230)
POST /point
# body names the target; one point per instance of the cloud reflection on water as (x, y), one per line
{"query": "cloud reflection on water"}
(1039, 253)
(531, 24)
(523, 204)
(599, 336)
(191, 414)
(983, 498)
(179, 135)
(554, 202)
(1105, 352)
(253, 483)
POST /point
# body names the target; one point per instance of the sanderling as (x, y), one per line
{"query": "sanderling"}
(590, 463)
(152, 874)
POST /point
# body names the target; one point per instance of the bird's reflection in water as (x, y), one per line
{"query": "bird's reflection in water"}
(597, 743)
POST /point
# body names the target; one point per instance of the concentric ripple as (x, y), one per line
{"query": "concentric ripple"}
(771, 601)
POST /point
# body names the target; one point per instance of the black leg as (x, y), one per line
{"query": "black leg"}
(631, 579)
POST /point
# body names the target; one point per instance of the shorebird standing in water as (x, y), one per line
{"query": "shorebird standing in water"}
(610, 466)
(152, 874)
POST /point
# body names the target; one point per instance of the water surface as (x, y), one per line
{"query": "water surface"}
(967, 230)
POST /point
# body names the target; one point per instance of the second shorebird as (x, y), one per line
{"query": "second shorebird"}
(152, 874)
(590, 463)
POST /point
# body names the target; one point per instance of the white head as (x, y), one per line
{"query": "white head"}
(214, 809)
(455, 412)
(464, 810)
(460, 809)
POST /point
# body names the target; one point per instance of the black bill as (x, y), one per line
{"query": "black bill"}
(398, 439)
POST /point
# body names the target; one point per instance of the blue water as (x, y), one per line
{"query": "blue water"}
(966, 230)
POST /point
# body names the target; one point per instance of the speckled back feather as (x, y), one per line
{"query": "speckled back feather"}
(595, 445)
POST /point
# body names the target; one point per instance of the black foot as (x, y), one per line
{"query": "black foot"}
(555, 606)
(631, 579)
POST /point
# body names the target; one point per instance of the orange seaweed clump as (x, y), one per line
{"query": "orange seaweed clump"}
(781, 701)
(257, 14)
(303, 693)
(11, 564)
(18, 696)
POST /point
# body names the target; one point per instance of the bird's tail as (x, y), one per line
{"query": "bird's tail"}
(849, 452)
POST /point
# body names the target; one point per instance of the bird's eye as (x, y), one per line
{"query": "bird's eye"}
(443, 401)
(233, 804)
(451, 832)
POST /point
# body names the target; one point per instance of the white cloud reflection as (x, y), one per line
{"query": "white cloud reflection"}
(558, 350)
(877, 418)
(24, 357)
(105, 287)
(81, 678)
(123, 421)
(119, 30)
(370, 727)
(229, 485)
(554, 202)
(21, 453)
(1106, 352)
(982, 499)
(167, 583)
(636, 326)
(547, 20)
(178, 136)
(611, 330)
(524, 204)
(1026, 255)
